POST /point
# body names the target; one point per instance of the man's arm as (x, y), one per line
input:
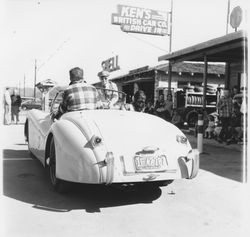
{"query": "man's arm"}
(62, 108)
(115, 95)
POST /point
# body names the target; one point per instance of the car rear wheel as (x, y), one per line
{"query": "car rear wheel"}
(58, 184)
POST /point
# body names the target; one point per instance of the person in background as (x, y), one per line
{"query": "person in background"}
(209, 132)
(236, 127)
(169, 107)
(176, 118)
(78, 95)
(161, 107)
(7, 107)
(15, 106)
(225, 107)
(139, 103)
(111, 95)
(149, 107)
(235, 90)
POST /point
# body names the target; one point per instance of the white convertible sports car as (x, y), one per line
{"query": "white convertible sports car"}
(109, 146)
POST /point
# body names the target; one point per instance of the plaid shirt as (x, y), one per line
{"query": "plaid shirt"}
(80, 96)
(225, 107)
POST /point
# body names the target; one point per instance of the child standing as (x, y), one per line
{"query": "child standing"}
(210, 127)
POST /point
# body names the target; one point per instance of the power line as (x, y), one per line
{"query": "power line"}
(146, 42)
(53, 54)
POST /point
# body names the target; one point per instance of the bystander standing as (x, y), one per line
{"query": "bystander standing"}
(224, 106)
(15, 106)
(7, 107)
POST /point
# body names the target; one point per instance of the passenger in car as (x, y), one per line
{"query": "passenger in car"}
(78, 95)
(110, 94)
(139, 103)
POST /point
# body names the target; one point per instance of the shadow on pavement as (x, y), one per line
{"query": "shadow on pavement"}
(26, 180)
(14, 154)
(223, 162)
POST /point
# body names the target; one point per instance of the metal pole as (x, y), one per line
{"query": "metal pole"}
(35, 80)
(200, 133)
(170, 32)
(228, 12)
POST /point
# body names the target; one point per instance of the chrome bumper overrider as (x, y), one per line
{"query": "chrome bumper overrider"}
(189, 164)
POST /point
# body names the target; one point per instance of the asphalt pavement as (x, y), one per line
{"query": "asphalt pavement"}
(215, 203)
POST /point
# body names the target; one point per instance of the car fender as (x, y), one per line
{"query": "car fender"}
(75, 157)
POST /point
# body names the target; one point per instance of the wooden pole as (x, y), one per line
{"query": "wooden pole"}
(169, 77)
(170, 32)
(24, 85)
(228, 12)
(204, 82)
(35, 80)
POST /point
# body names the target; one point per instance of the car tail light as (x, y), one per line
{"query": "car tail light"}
(181, 139)
(96, 140)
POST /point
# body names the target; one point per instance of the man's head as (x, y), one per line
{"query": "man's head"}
(139, 100)
(103, 75)
(15, 92)
(75, 75)
(161, 97)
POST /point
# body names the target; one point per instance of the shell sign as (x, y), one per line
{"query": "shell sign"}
(141, 20)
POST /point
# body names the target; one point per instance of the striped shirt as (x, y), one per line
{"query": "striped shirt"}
(80, 96)
(225, 107)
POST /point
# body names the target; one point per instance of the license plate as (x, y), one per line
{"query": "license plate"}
(150, 163)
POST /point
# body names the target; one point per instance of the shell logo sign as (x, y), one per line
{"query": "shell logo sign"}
(141, 20)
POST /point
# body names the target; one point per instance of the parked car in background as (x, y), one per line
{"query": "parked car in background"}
(32, 104)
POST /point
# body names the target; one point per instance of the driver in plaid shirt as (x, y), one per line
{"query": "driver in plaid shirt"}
(79, 95)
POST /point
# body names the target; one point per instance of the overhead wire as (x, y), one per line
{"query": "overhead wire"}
(53, 54)
(146, 42)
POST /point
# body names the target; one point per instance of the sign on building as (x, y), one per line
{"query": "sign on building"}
(141, 20)
(111, 64)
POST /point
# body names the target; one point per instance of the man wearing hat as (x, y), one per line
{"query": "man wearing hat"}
(78, 95)
(111, 94)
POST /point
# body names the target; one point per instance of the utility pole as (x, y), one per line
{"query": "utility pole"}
(228, 12)
(35, 80)
(19, 86)
(24, 86)
(170, 24)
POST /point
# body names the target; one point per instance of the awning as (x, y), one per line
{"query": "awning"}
(229, 48)
(144, 79)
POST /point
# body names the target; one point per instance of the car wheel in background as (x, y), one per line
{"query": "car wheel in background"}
(59, 185)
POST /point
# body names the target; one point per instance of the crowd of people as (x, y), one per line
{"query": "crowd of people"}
(226, 125)
(161, 108)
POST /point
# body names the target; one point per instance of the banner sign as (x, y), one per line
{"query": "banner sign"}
(141, 20)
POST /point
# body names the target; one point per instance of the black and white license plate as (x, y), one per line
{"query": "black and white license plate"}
(150, 162)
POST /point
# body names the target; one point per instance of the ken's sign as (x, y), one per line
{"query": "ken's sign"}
(141, 20)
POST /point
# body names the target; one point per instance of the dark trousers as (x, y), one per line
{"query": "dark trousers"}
(14, 113)
(224, 133)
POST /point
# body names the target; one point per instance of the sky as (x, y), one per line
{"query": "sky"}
(62, 34)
